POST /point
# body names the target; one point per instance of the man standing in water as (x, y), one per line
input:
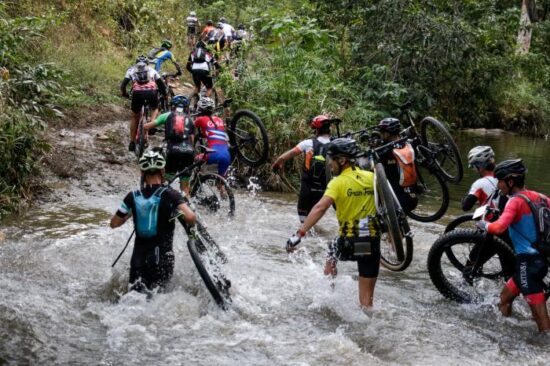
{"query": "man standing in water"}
(152, 208)
(352, 190)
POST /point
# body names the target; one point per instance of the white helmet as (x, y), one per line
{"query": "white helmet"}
(193, 14)
(480, 156)
(152, 160)
(205, 104)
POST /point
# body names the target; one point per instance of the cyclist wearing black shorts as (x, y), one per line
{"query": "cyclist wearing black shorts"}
(314, 180)
(179, 135)
(399, 165)
(146, 83)
(200, 64)
(152, 208)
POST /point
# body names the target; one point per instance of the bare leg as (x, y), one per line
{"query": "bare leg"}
(184, 186)
(540, 313)
(154, 114)
(208, 92)
(133, 126)
(366, 291)
(506, 300)
(330, 267)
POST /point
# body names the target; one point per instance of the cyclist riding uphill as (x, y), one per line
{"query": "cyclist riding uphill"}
(199, 64)
(314, 180)
(193, 24)
(228, 30)
(212, 128)
(216, 38)
(204, 34)
(399, 164)
(518, 218)
(146, 83)
(482, 159)
(159, 55)
(151, 208)
(179, 135)
(352, 190)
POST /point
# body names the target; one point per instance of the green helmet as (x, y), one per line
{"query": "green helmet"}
(151, 160)
(166, 44)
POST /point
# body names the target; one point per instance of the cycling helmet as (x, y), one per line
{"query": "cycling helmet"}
(209, 22)
(389, 125)
(223, 20)
(200, 44)
(142, 58)
(319, 121)
(192, 13)
(343, 146)
(510, 168)
(151, 160)
(480, 156)
(219, 25)
(180, 101)
(166, 44)
(205, 104)
(240, 26)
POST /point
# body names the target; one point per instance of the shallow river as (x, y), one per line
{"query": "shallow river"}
(62, 304)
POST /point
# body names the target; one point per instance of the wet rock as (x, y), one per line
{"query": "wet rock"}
(102, 137)
(2, 236)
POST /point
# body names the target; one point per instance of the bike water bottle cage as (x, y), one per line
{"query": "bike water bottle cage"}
(147, 212)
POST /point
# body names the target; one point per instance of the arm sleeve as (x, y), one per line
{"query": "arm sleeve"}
(506, 219)
(125, 207)
(468, 202)
(162, 119)
(123, 86)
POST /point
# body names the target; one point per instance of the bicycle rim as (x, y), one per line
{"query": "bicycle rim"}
(211, 193)
(248, 137)
(445, 152)
(433, 196)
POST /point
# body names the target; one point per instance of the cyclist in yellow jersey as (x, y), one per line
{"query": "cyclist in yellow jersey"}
(352, 191)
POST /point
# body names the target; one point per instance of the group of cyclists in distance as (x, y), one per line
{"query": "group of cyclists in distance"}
(351, 190)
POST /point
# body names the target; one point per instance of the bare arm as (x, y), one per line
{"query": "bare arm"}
(278, 164)
(189, 216)
(117, 221)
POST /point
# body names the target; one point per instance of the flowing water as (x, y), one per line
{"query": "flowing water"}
(61, 303)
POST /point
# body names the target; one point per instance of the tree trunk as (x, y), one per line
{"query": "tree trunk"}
(525, 26)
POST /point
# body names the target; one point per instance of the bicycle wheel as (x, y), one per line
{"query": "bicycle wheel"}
(141, 138)
(464, 221)
(207, 239)
(212, 192)
(248, 136)
(461, 284)
(215, 282)
(444, 150)
(433, 196)
(391, 242)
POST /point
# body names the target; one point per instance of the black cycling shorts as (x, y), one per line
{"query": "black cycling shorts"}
(308, 198)
(178, 160)
(202, 77)
(142, 97)
(530, 272)
(368, 266)
(151, 268)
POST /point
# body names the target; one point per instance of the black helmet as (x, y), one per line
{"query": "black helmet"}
(389, 125)
(200, 44)
(166, 44)
(510, 168)
(209, 22)
(240, 26)
(343, 146)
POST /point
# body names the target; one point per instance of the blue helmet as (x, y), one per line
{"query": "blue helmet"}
(180, 101)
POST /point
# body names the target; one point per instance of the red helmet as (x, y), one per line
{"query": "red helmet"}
(318, 121)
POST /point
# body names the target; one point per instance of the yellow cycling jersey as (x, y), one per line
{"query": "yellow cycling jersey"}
(353, 193)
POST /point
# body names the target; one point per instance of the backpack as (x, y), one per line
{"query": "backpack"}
(405, 163)
(200, 55)
(315, 164)
(147, 213)
(142, 75)
(175, 130)
(541, 215)
(152, 55)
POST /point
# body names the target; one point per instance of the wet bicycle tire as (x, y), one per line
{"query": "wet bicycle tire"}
(437, 188)
(455, 172)
(459, 221)
(245, 138)
(209, 199)
(396, 266)
(218, 291)
(445, 243)
(389, 215)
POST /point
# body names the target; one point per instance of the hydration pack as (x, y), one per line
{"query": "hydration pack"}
(147, 213)
(405, 163)
(152, 55)
(315, 164)
(142, 75)
(175, 129)
(541, 215)
(200, 55)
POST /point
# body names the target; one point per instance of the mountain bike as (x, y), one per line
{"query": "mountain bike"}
(141, 135)
(164, 100)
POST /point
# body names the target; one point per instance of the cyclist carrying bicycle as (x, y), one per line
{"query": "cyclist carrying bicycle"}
(399, 164)
(160, 55)
(146, 83)
(212, 128)
(200, 64)
(151, 209)
(179, 134)
(352, 191)
(482, 159)
(314, 180)
(518, 219)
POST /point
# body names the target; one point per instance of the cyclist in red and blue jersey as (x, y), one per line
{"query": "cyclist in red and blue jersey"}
(157, 56)
(213, 129)
(531, 266)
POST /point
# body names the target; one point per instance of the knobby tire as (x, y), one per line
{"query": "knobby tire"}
(244, 139)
